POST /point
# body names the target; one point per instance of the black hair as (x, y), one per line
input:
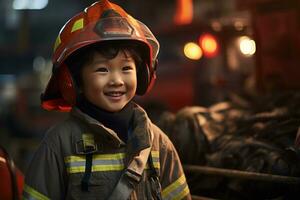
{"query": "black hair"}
(108, 49)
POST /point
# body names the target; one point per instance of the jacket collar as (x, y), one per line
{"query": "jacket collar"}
(139, 136)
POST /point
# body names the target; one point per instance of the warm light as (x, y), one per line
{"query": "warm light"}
(192, 51)
(209, 45)
(29, 4)
(247, 46)
(184, 12)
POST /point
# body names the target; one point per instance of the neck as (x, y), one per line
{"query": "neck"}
(119, 122)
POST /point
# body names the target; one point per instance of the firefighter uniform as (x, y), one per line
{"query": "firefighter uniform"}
(59, 165)
(81, 158)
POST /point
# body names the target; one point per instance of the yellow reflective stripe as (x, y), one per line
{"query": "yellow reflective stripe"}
(116, 156)
(107, 168)
(70, 159)
(57, 42)
(155, 154)
(182, 194)
(180, 181)
(155, 164)
(103, 162)
(77, 25)
(35, 194)
(96, 168)
(72, 170)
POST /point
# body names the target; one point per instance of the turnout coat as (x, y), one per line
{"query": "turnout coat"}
(59, 165)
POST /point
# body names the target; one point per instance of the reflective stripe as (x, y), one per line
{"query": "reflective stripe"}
(57, 42)
(77, 25)
(177, 190)
(183, 193)
(155, 160)
(116, 156)
(155, 154)
(32, 194)
(102, 162)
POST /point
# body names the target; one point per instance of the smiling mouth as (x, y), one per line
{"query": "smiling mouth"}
(114, 94)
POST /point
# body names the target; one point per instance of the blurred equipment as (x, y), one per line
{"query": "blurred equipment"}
(12, 179)
(276, 29)
(240, 149)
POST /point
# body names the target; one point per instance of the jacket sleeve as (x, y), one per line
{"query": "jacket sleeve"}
(44, 178)
(173, 181)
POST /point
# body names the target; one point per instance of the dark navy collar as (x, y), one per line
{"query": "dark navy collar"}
(120, 122)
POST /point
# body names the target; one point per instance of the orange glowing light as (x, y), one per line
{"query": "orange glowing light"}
(184, 12)
(209, 45)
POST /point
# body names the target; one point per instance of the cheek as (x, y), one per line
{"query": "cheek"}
(133, 82)
(92, 84)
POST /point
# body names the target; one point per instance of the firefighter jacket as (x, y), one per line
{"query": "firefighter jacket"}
(59, 164)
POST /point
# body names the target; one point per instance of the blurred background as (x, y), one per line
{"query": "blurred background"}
(212, 52)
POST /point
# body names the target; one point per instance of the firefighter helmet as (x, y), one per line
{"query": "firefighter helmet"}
(12, 179)
(102, 21)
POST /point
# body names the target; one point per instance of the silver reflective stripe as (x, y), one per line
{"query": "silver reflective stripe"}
(103, 162)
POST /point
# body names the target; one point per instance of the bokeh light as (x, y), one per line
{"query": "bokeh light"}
(192, 51)
(247, 46)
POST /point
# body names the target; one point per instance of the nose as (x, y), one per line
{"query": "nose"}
(116, 79)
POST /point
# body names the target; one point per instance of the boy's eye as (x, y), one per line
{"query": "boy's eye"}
(101, 69)
(127, 68)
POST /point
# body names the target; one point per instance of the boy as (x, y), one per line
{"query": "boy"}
(107, 148)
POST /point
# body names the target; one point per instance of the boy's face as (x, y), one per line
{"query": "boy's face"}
(110, 83)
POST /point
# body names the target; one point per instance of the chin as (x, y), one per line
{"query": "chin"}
(115, 108)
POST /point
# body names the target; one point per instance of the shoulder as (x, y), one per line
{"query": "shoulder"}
(61, 134)
(161, 139)
(66, 125)
(142, 117)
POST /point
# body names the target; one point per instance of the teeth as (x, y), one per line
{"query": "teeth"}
(114, 94)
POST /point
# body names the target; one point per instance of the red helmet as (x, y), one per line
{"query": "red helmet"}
(12, 179)
(102, 21)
